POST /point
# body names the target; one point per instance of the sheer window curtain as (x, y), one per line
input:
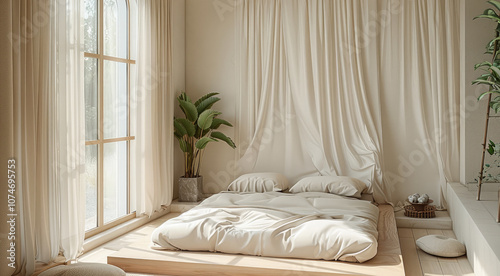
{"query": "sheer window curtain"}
(49, 130)
(153, 105)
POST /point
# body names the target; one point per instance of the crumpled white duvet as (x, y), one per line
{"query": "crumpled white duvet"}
(305, 225)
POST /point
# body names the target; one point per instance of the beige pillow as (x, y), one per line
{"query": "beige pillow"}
(441, 246)
(339, 185)
(259, 183)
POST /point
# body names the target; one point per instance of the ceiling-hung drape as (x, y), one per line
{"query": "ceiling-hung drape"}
(303, 104)
(153, 105)
(371, 88)
(335, 90)
(49, 130)
(420, 67)
(267, 129)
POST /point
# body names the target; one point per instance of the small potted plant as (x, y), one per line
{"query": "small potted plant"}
(194, 132)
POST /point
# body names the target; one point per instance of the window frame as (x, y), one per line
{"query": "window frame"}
(100, 142)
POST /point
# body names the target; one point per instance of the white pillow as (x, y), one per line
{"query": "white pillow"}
(259, 183)
(339, 185)
(441, 246)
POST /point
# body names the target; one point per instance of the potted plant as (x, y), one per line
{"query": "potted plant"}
(194, 132)
(490, 77)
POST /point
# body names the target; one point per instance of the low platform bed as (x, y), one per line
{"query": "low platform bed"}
(140, 258)
(305, 225)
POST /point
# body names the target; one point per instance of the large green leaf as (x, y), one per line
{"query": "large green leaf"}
(495, 106)
(495, 3)
(205, 97)
(188, 126)
(189, 110)
(483, 82)
(496, 71)
(202, 143)
(223, 137)
(183, 96)
(206, 118)
(183, 145)
(201, 132)
(494, 17)
(487, 93)
(484, 76)
(490, 14)
(218, 122)
(491, 44)
(491, 147)
(206, 104)
(179, 128)
(482, 64)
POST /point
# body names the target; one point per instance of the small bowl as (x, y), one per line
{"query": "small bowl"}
(420, 206)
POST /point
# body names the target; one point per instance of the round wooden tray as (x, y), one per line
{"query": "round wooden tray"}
(429, 211)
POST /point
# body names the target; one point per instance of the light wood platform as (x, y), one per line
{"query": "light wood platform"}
(139, 258)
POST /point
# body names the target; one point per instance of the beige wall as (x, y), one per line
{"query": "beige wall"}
(179, 67)
(210, 66)
(475, 35)
(6, 126)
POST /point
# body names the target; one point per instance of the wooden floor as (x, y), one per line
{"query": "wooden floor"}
(419, 263)
(416, 262)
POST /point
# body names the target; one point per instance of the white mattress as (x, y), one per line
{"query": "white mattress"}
(304, 225)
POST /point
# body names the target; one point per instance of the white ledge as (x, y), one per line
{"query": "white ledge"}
(474, 223)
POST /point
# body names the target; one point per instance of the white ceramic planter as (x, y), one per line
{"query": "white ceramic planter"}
(190, 189)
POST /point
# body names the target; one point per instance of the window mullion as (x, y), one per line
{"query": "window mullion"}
(100, 49)
(128, 107)
(101, 141)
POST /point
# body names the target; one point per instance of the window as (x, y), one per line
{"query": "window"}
(110, 27)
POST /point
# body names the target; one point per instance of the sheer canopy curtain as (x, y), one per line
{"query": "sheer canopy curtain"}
(335, 88)
(153, 105)
(49, 131)
(266, 127)
(294, 67)
(364, 79)
(420, 82)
